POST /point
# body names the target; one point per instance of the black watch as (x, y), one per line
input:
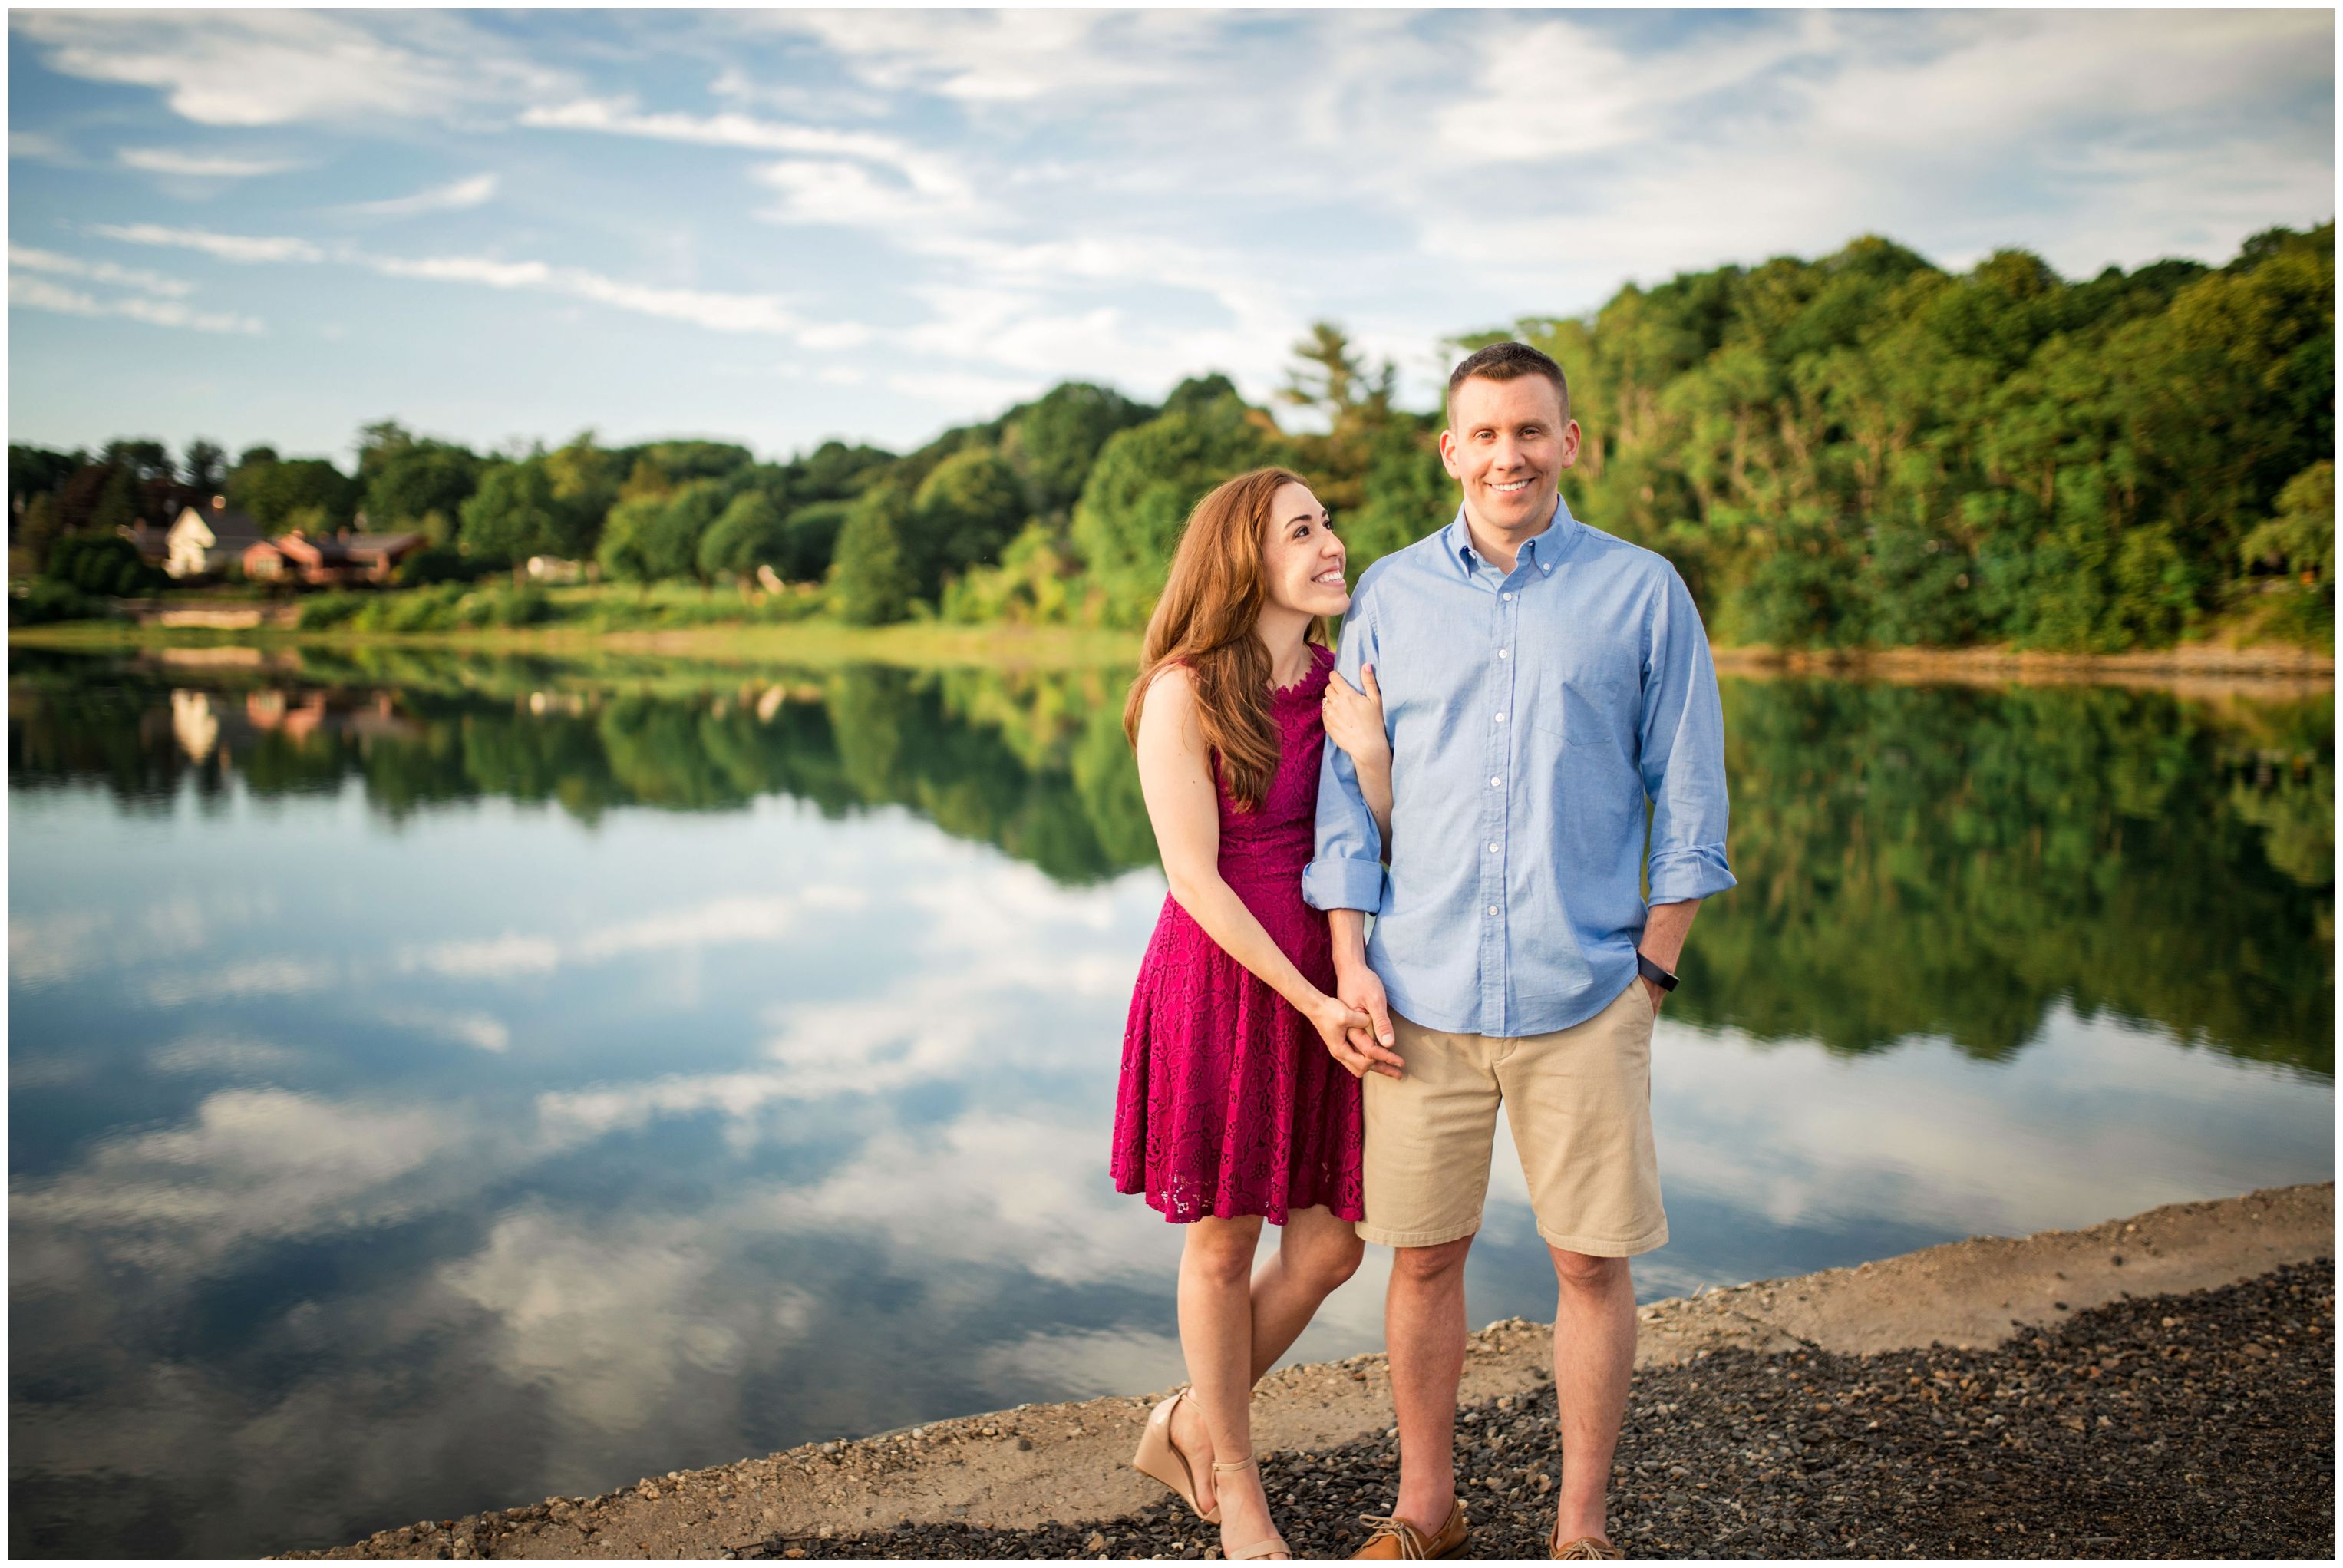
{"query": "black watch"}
(1653, 972)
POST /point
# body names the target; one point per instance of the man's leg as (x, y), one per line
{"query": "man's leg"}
(1424, 1327)
(1580, 1103)
(1593, 1353)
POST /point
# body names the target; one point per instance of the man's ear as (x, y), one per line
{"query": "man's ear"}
(1571, 437)
(1448, 454)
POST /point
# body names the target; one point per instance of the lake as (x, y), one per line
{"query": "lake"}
(438, 1081)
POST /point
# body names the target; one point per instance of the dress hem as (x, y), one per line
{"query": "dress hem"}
(1280, 1217)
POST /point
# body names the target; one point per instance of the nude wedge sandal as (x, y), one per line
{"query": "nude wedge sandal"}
(1163, 1460)
(1274, 1544)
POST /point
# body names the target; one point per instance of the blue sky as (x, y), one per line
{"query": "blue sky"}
(779, 227)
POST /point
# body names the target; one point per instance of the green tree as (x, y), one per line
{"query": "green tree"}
(585, 478)
(514, 514)
(117, 504)
(2300, 537)
(422, 477)
(748, 533)
(809, 540)
(272, 492)
(671, 545)
(623, 551)
(147, 459)
(38, 471)
(203, 465)
(1146, 481)
(100, 563)
(871, 582)
(39, 531)
(1052, 442)
(970, 506)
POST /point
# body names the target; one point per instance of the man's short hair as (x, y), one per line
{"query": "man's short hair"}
(1506, 362)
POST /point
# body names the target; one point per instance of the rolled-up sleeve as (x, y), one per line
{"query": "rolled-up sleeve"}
(1683, 760)
(1347, 871)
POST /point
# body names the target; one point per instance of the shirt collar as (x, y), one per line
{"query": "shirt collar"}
(1546, 548)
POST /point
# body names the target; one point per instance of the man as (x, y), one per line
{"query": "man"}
(1540, 681)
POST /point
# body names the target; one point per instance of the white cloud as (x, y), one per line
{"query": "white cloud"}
(30, 259)
(476, 191)
(40, 147)
(497, 958)
(478, 1030)
(1561, 89)
(222, 1053)
(40, 293)
(278, 68)
(714, 310)
(847, 194)
(254, 977)
(1010, 57)
(740, 918)
(254, 1162)
(245, 247)
(930, 185)
(200, 165)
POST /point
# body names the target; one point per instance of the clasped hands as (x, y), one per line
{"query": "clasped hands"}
(1355, 1023)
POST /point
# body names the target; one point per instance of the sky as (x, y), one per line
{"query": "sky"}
(780, 227)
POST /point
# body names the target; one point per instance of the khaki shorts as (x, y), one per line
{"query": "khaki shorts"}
(1580, 1103)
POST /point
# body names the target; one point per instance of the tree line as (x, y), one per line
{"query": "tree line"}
(1859, 450)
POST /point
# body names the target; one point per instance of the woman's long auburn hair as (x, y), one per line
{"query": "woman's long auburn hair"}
(1205, 620)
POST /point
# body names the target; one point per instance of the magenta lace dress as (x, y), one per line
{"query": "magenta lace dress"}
(1228, 1102)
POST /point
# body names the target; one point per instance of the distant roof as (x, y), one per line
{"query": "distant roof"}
(357, 542)
(228, 527)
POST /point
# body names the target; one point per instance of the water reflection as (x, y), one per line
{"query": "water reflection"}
(441, 1082)
(1919, 859)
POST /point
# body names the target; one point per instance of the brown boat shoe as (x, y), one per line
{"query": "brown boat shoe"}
(1585, 1548)
(1394, 1537)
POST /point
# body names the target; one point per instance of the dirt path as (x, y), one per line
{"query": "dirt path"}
(1066, 1461)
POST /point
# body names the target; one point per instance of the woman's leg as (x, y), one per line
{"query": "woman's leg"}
(1216, 1335)
(1315, 1253)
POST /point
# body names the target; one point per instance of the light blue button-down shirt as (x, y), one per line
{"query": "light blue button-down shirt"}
(1532, 714)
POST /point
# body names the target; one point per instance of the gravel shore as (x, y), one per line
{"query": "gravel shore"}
(2196, 1425)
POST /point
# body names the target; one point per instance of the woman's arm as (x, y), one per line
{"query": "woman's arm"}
(1175, 778)
(1354, 721)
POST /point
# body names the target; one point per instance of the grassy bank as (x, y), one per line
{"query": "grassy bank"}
(589, 627)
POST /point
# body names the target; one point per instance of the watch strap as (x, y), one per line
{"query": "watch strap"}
(1653, 972)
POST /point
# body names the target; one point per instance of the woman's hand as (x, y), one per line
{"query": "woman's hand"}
(1334, 1021)
(1355, 719)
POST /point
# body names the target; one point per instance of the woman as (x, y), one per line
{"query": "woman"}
(1237, 1102)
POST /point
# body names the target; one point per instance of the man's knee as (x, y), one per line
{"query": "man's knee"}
(1584, 1272)
(1431, 1265)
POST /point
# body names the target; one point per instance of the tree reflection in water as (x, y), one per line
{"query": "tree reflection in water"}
(1915, 860)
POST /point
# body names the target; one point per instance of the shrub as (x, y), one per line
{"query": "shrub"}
(328, 610)
(45, 599)
(440, 564)
(103, 564)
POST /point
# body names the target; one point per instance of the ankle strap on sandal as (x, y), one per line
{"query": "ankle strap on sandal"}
(1247, 1462)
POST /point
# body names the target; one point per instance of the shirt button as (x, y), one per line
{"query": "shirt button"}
(1494, 781)
(1492, 849)
(1502, 654)
(1493, 909)
(1509, 595)
(1501, 718)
